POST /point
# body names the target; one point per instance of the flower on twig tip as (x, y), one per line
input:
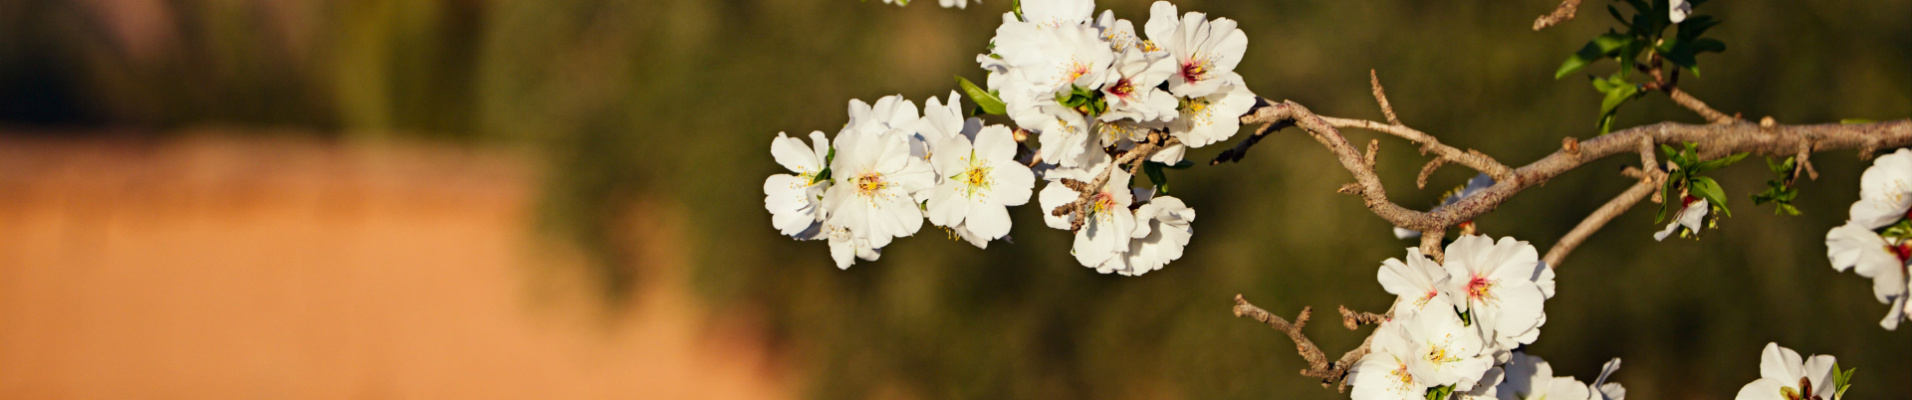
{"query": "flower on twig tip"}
(1783, 375)
(1690, 219)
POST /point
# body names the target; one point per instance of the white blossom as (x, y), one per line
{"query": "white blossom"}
(1170, 155)
(1885, 191)
(1852, 246)
(1056, 194)
(1133, 92)
(1048, 13)
(1416, 283)
(1120, 34)
(1053, 58)
(1214, 116)
(875, 178)
(1885, 196)
(795, 201)
(960, 4)
(1781, 370)
(1531, 378)
(1446, 351)
(1064, 134)
(1485, 388)
(1127, 132)
(891, 115)
(1041, 62)
(845, 247)
(1603, 390)
(1691, 217)
(1386, 372)
(1502, 286)
(982, 180)
(1162, 230)
(1108, 222)
(1204, 52)
(1679, 10)
(941, 121)
(1413, 352)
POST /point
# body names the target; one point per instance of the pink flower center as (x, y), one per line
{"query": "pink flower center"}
(1194, 70)
(1480, 289)
(1102, 202)
(1122, 88)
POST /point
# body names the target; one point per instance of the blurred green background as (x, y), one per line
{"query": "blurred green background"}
(636, 102)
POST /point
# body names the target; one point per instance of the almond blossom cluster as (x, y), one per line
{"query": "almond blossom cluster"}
(890, 169)
(1090, 87)
(1457, 326)
(1084, 88)
(1090, 84)
(1876, 240)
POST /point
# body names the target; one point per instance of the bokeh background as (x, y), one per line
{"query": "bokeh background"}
(561, 199)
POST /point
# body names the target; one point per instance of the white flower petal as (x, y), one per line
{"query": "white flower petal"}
(988, 221)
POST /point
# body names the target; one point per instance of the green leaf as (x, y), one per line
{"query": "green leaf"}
(1618, 94)
(1708, 45)
(1688, 156)
(1440, 392)
(1156, 176)
(1844, 381)
(986, 101)
(1667, 191)
(1696, 25)
(1780, 167)
(1780, 195)
(824, 175)
(1717, 164)
(1603, 46)
(1680, 53)
(1706, 188)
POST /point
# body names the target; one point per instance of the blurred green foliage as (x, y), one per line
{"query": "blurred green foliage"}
(677, 100)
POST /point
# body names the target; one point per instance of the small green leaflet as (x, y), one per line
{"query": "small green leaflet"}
(1603, 46)
(824, 175)
(1157, 176)
(986, 101)
(1841, 381)
(1778, 191)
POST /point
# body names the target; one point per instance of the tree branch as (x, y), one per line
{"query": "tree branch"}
(1560, 14)
(1715, 141)
(1597, 220)
(1354, 319)
(1692, 103)
(1330, 373)
(1381, 96)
